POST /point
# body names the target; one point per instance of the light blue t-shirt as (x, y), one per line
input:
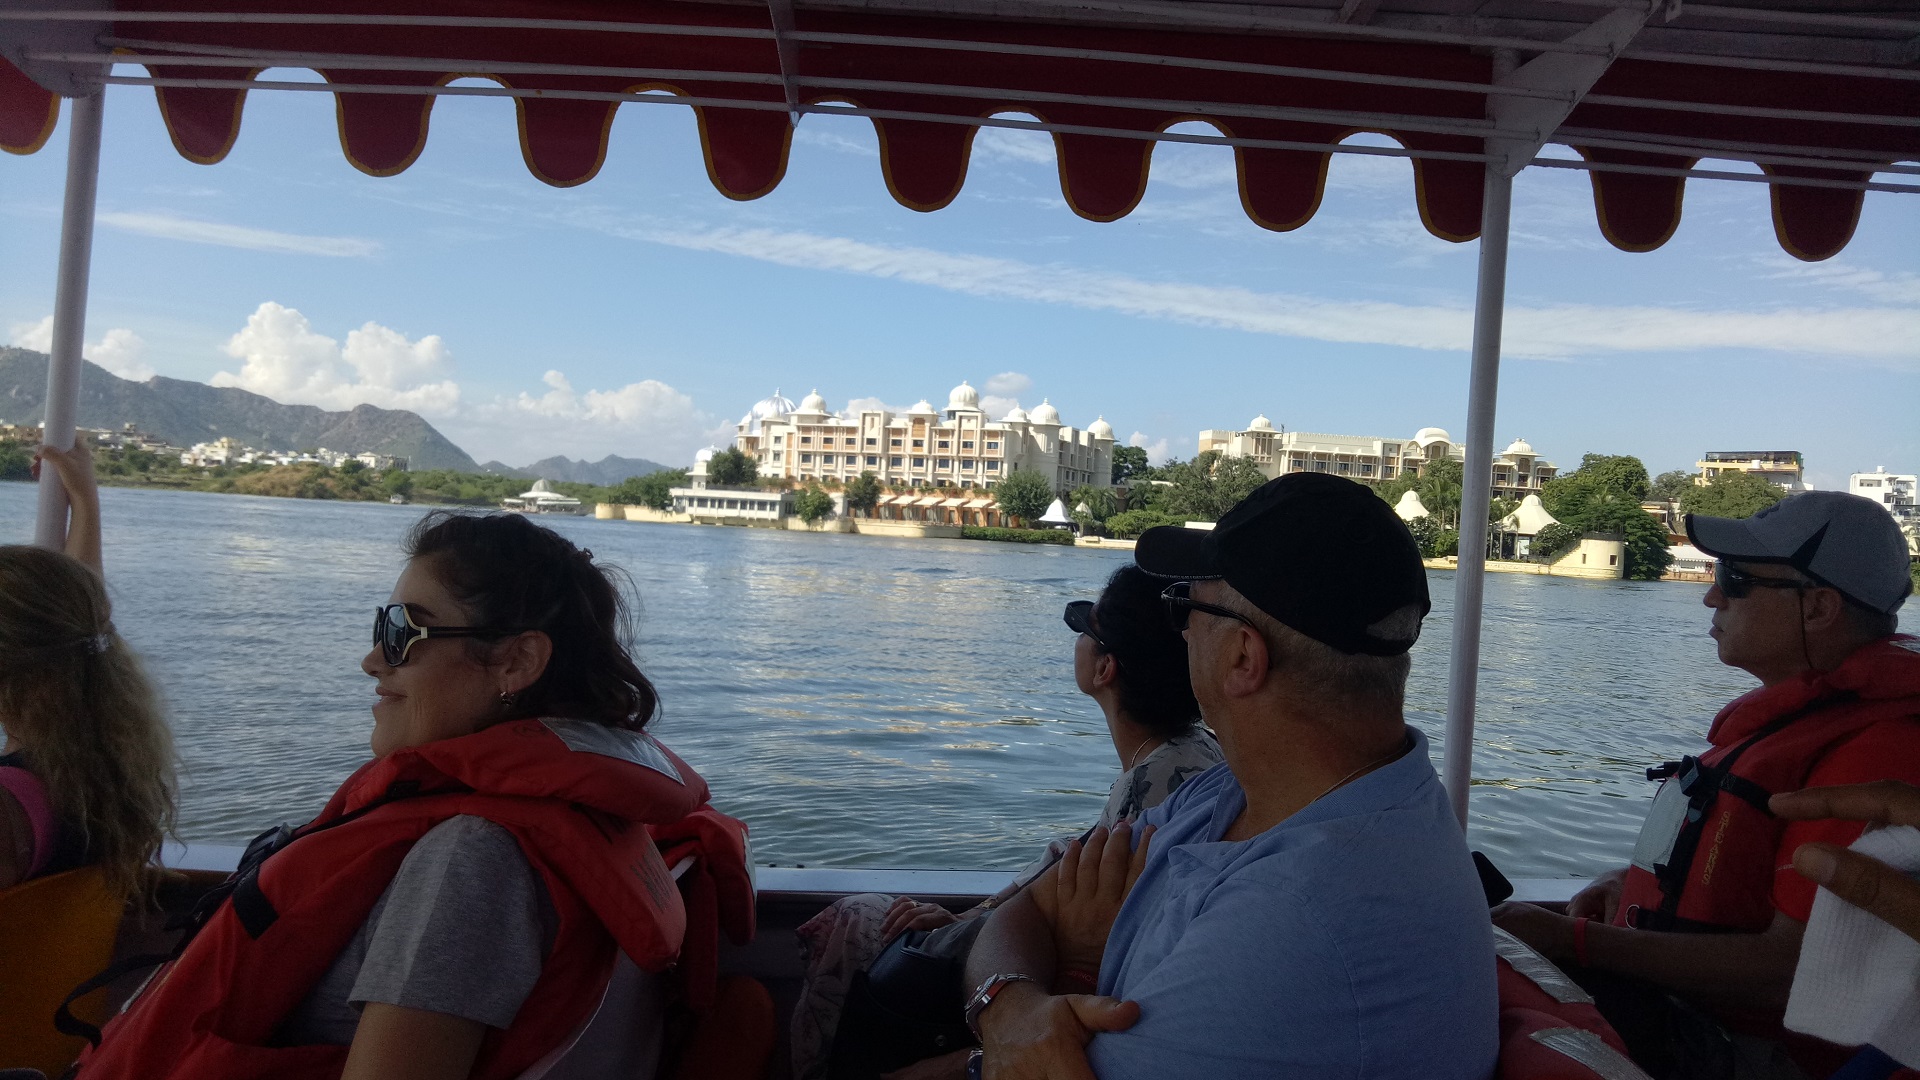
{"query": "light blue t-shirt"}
(1350, 940)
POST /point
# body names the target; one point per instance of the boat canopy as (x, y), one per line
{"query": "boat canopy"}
(1820, 105)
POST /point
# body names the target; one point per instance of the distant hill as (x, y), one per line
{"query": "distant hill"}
(184, 413)
(607, 472)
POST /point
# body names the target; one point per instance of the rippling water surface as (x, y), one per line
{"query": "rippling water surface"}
(861, 701)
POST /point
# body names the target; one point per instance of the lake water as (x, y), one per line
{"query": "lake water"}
(861, 701)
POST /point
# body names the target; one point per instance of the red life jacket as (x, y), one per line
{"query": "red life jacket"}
(585, 801)
(1707, 854)
(1549, 1027)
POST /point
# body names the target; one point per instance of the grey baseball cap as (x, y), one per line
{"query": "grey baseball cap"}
(1842, 541)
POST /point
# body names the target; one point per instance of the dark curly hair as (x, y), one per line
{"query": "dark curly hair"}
(509, 572)
(1153, 686)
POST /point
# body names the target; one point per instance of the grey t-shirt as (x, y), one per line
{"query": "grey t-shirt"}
(462, 929)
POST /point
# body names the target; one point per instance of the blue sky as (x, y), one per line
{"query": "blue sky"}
(643, 312)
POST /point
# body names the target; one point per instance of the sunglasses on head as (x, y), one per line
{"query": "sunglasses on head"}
(1181, 605)
(1737, 584)
(1079, 619)
(394, 631)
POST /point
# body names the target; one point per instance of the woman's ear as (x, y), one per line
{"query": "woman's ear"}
(522, 659)
(1106, 670)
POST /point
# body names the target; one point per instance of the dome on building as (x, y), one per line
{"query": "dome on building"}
(1520, 446)
(768, 407)
(813, 403)
(1431, 435)
(1410, 508)
(706, 455)
(923, 406)
(1046, 413)
(1260, 423)
(963, 397)
(1017, 416)
(1100, 429)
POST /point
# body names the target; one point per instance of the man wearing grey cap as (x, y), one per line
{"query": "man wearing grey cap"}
(1305, 909)
(1805, 598)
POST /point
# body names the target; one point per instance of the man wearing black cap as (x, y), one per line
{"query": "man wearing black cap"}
(1805, 597)
(1307, 908)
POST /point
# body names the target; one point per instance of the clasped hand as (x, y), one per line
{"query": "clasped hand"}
(1091, 882)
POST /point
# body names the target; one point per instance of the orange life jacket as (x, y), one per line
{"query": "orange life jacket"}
(1707, 853)
(594, 810)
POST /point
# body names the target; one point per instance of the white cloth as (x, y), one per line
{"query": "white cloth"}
(1858, 982)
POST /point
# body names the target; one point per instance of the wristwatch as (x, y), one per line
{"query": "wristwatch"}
(989, 990)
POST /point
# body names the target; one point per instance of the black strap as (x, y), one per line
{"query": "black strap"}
(68, 1024)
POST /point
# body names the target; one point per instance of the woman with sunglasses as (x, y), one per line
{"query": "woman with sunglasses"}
(1133, 664)
(454, 910)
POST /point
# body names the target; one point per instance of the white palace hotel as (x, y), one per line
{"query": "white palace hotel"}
(1517, 470)
(958, 446)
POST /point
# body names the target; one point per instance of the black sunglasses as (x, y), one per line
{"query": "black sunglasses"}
(395, 632)
(1181, 605)
(1079, 619)
(1737, 584)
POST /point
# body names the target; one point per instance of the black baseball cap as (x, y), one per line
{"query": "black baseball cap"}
(1323, 555)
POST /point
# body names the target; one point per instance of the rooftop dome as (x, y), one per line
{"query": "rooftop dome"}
(1520, 446)
(1017, 416)
(705, 455)
(1100, 429)
(1260, 423)
(813, 403)
(921, 406)
(963, 397)
(1431, 435)
(1046, 413)
(769, 407)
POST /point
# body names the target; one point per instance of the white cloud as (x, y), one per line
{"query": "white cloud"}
(284, 359)
(1886, 335)
(1157, 452)
(1023, 145)
(170, 227)
(861, 403)
(1009, 383)
(119, 350)
(641, 419)
(1897, 288)
(809, 133)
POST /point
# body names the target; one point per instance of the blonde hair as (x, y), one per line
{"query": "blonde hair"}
(77, 700)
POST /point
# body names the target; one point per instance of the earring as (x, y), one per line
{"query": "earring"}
(508, 697)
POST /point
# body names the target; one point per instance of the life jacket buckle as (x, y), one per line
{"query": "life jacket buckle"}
(1663, 770)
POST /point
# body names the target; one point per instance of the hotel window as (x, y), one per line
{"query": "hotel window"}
(944, 444)
(1343, 468)
(1366, 468)
(806, 459)
(991, 445)
(1319, 466)
(828, 441)
(893, 442)
(826, 459)
(919, 443)
(894, 462)
(993, 466)
(806, 439)
(776, 455)
(919, 463)
(967, 465)
(967, 444)
(777, 438)
(944, 463)
(873, 442)
(871, 460)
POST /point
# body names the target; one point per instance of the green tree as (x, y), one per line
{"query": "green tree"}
(1440, 486)
(1024, 494)
(652, 490)
(352, 466)
(1648, 555)
(1603, 496)
(1205, 488)
(397, 482)
(1099, 502)
(1731, 495)
(1129, 524)
(1434, 539)
(1553, 541)
(813, 504)
(1671, 486)
(16, 462)
(732, 468)
(1128, 462)
(863, 493)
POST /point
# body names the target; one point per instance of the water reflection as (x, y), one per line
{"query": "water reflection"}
(861, 701)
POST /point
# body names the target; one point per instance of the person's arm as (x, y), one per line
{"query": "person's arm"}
(75, 469)
(397, 1043)
(1733, 970)
(1863, 882)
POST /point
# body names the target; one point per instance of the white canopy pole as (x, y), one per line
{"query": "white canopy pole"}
(70, 308)
(1476, 487)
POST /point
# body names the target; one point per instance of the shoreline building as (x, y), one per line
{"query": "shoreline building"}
(1895, 491)
(958, 446)
(1517, 471)
(1782, 468)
